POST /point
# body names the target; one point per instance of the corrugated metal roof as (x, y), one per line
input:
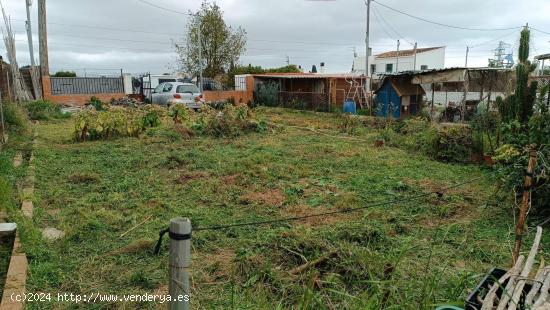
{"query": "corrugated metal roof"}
(308, 75)
(428, 71)
(543, 56)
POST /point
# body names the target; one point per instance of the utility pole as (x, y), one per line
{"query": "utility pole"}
(397, 63)
(199, 34)
(34, 74)
(200, 53)
(367, 49)
(467, 51)
(43, 39)
(287, 60)
(414, 62)
(29, 32)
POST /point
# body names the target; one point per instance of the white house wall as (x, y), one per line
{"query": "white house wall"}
(434, 59)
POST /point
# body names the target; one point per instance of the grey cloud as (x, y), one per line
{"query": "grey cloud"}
(313, 31)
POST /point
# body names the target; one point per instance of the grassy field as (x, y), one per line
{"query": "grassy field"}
(409, 255)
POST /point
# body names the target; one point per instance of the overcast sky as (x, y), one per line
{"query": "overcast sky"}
(130, 35)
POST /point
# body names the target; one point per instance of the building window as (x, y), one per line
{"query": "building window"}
(372, 69)
(424, 67)
(389, 68)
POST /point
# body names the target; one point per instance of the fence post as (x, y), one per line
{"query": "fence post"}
(528, 183)
(179, 262)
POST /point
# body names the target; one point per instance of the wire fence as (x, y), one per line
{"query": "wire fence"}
(439, 193)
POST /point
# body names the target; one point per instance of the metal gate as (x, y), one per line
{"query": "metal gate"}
(86, 85)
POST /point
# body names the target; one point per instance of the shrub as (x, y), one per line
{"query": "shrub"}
(65, 74)
(350, 124)
(116, 122)
(14, 115)
(267, 94)
(97, 104)
(453, 143)
(5, 193)
(44, 110)
(230, 122)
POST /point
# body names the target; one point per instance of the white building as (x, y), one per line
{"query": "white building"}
(388, 62)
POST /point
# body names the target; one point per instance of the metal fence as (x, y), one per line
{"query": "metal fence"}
(86, 85)
(305, 101)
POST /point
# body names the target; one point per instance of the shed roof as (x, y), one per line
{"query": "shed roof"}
(308, 75)
(404, 53)
(543, 56)
(403, 86)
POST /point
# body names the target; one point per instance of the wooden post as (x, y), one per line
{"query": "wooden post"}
(43, 39)
(179, 262)
(524, 203)
(465, 94)
(2, 139)
(433, 98)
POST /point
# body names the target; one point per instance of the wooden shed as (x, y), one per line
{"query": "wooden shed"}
(398, 96)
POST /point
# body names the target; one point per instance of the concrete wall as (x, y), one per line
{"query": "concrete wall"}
(434, 59)
(73, 99)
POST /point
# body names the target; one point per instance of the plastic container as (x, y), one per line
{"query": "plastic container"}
(350, 107)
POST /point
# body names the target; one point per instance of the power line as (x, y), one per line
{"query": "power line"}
(382, 25)
(346, 210)
(179, 34)
(539, 30)
(493, 40)
(379, 15)
(162, 8)
(441, 24)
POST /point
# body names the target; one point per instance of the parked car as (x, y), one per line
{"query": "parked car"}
(169, 93)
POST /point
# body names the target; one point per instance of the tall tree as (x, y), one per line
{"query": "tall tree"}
(221, 44)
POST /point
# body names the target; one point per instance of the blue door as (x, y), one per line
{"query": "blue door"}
(388, 102)
(382, 99)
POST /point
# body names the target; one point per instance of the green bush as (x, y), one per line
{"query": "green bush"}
(5, 193)
(44, 110)
(65, 74)
(116, 122)
(97, 104)
(267, 94)
(232, 121)
(453, 144)
(14, 115)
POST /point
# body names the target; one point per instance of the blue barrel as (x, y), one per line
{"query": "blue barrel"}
(350, 107)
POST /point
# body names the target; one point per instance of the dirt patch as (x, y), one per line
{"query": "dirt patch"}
(188, 176)
(272, 197)
(141, 245)
(161, 290)
(230, 179)
(218, 266)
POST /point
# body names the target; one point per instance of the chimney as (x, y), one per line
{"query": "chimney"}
(322, 70)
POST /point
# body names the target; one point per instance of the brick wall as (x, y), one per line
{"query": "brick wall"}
(245, 96)
(73, 99)
(238, 96)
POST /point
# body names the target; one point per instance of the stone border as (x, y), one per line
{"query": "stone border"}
(16, 278)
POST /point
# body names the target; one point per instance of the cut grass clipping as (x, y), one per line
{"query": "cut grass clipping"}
(409, 255)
